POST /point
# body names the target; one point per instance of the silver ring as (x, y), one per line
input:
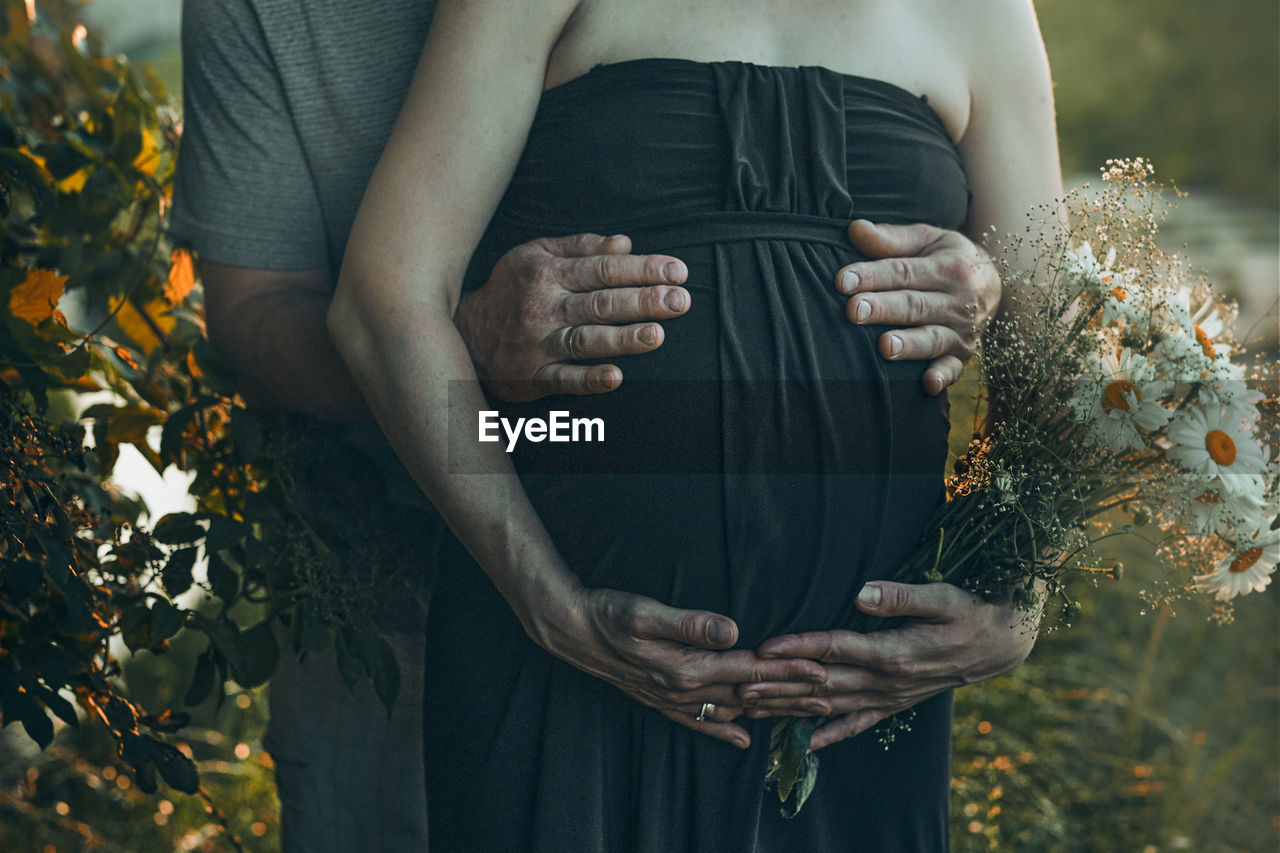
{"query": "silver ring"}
(707, 710)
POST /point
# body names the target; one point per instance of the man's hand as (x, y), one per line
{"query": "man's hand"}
(556, 301)
(670, 659)
(936, 281)
(951, 638)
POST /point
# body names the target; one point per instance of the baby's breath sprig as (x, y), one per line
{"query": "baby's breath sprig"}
(1120, 405)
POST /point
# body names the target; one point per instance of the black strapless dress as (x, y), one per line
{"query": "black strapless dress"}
(764, 463)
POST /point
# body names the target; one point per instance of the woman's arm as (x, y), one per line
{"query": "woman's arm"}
(450, 157)
(950, 637)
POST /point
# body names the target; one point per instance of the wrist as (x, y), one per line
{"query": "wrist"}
(550, 604)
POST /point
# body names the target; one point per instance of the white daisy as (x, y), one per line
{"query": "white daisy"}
(1122, 397)
(1231, 393)
(1171, 312)
(1247, 569)
(1122, 297)
(1211, 509)
(1084, 267)
(1179, 358)
(1215, 445)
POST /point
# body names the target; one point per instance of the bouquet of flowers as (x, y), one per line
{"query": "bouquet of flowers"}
(1121, 401)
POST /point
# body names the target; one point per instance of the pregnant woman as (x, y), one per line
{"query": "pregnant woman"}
(795, 464)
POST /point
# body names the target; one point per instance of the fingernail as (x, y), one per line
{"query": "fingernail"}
(672, 271)
(741, 742)
(750, 696)
(648, 335)
(849, 281)
(673, 299)
(757, 713)
(895, 345)
(720, 633)
(862, 310)
(615, 238)
(870, 595)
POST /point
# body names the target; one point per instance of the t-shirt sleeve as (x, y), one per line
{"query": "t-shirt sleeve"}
(243, 193)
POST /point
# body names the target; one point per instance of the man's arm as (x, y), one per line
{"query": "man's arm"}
(547, 304)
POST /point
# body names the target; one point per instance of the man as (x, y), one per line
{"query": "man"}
(287, 108)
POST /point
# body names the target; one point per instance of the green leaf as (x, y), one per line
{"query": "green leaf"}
(24, 169)
(176, 576)
(30, 373)
(54, 702)
(223, 580)
(119, 714)
(201, 681)
(349, 667)
(136, 749)
(223, 533)
(166, 620)
(145, 778)
(806, 779)
(178, 528)
(179, 772)
(37, 723)
(25, 578)
(169, 721)
(258, 654)
(309, 631)
(171, 435)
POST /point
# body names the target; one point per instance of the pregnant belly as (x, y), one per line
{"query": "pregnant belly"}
(764, 462)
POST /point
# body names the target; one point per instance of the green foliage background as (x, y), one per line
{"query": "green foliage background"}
(1193, 87)
(1130, 731)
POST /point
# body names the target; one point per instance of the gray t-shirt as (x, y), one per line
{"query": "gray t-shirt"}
(287, 105)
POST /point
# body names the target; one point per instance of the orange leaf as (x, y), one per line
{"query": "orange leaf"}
(36, 299)
(38, 160)
(74, 182)
(142, 329)
(182, 277)
(126, 356)
(149, 157)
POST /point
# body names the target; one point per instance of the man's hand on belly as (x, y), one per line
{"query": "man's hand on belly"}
(936, 281)
(951, 638)
(554, 302)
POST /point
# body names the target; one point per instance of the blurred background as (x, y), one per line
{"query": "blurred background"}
(1136, 729)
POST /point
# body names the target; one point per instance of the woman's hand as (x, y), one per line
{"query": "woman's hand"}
(669, 659)
(951, 638)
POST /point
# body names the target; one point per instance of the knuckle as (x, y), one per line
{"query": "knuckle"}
(680, 683)
(916, 308)
(689, 628)
(603, 268)
(896, 597)
(939, 340)
(653, 301)
(901, 270)
(598, 305)
(827, 646)
(956, 273)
